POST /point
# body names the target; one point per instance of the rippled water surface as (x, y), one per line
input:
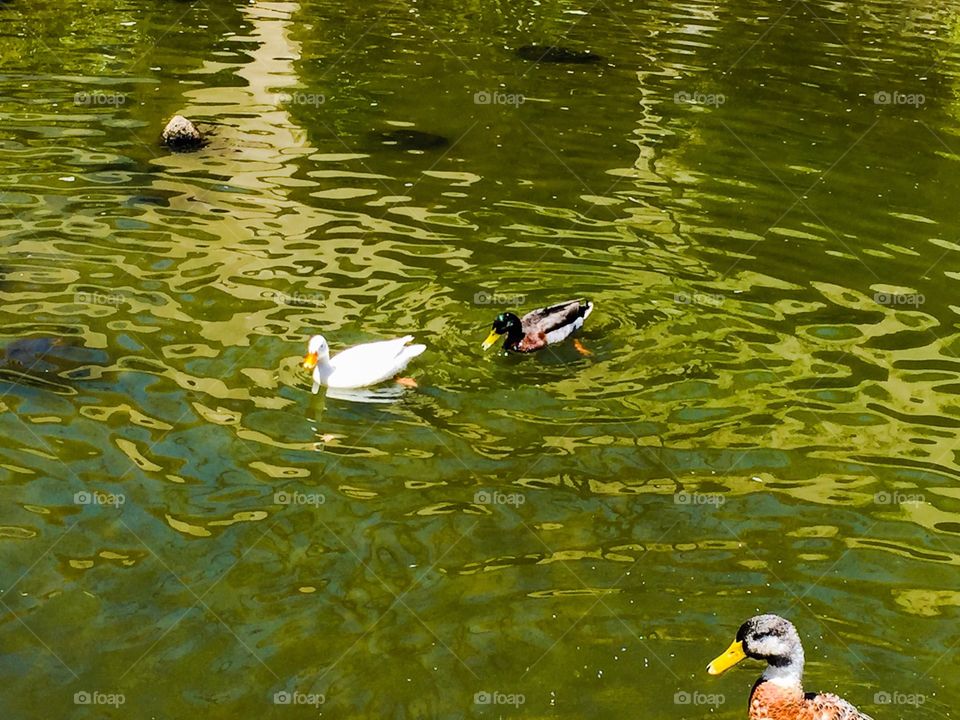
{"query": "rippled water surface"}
(760, 198)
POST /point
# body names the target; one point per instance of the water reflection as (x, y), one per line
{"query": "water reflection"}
(379, 395)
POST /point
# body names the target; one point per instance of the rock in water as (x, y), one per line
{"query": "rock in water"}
(555, 54)
(181, 135)
(411, 139)
(44, 354)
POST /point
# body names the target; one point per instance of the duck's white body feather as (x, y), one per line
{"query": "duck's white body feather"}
(364, 365)
(565, 331)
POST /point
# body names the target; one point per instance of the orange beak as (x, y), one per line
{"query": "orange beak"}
(310, 361)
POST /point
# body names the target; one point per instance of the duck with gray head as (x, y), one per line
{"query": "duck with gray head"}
(778, 694)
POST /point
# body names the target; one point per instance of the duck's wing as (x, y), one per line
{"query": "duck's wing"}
(833, 707)
(371, 363)
(556, 322)
(373, 352)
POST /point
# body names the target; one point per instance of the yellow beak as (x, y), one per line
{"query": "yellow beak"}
(491, 339)
(310, 361)
(731, 657)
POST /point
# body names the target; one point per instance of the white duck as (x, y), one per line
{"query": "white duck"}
(359, 366)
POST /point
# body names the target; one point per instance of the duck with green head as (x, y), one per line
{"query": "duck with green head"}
(540, 327)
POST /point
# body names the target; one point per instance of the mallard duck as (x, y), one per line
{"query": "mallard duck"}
(540, 327)
(358, 366)
(778, 694)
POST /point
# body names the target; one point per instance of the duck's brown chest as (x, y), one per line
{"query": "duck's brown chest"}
(772, 702)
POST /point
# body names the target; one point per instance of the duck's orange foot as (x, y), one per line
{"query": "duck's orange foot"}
(581, 349)
(407, 382)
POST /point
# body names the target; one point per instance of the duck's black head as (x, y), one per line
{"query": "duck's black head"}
(505, 324)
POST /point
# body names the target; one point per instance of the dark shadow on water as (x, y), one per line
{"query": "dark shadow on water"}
(406, 139)
(556, 54)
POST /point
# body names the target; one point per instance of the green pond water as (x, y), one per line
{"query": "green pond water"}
(760, 197)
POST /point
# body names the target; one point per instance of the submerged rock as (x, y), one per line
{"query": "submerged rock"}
(156, 200)
(181, 135)
(44, 355)
(556, 54)
(406, 139)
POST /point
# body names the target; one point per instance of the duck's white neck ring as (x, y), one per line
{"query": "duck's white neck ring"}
(786, 674)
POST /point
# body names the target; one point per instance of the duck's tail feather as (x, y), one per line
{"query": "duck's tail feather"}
(411, 351)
